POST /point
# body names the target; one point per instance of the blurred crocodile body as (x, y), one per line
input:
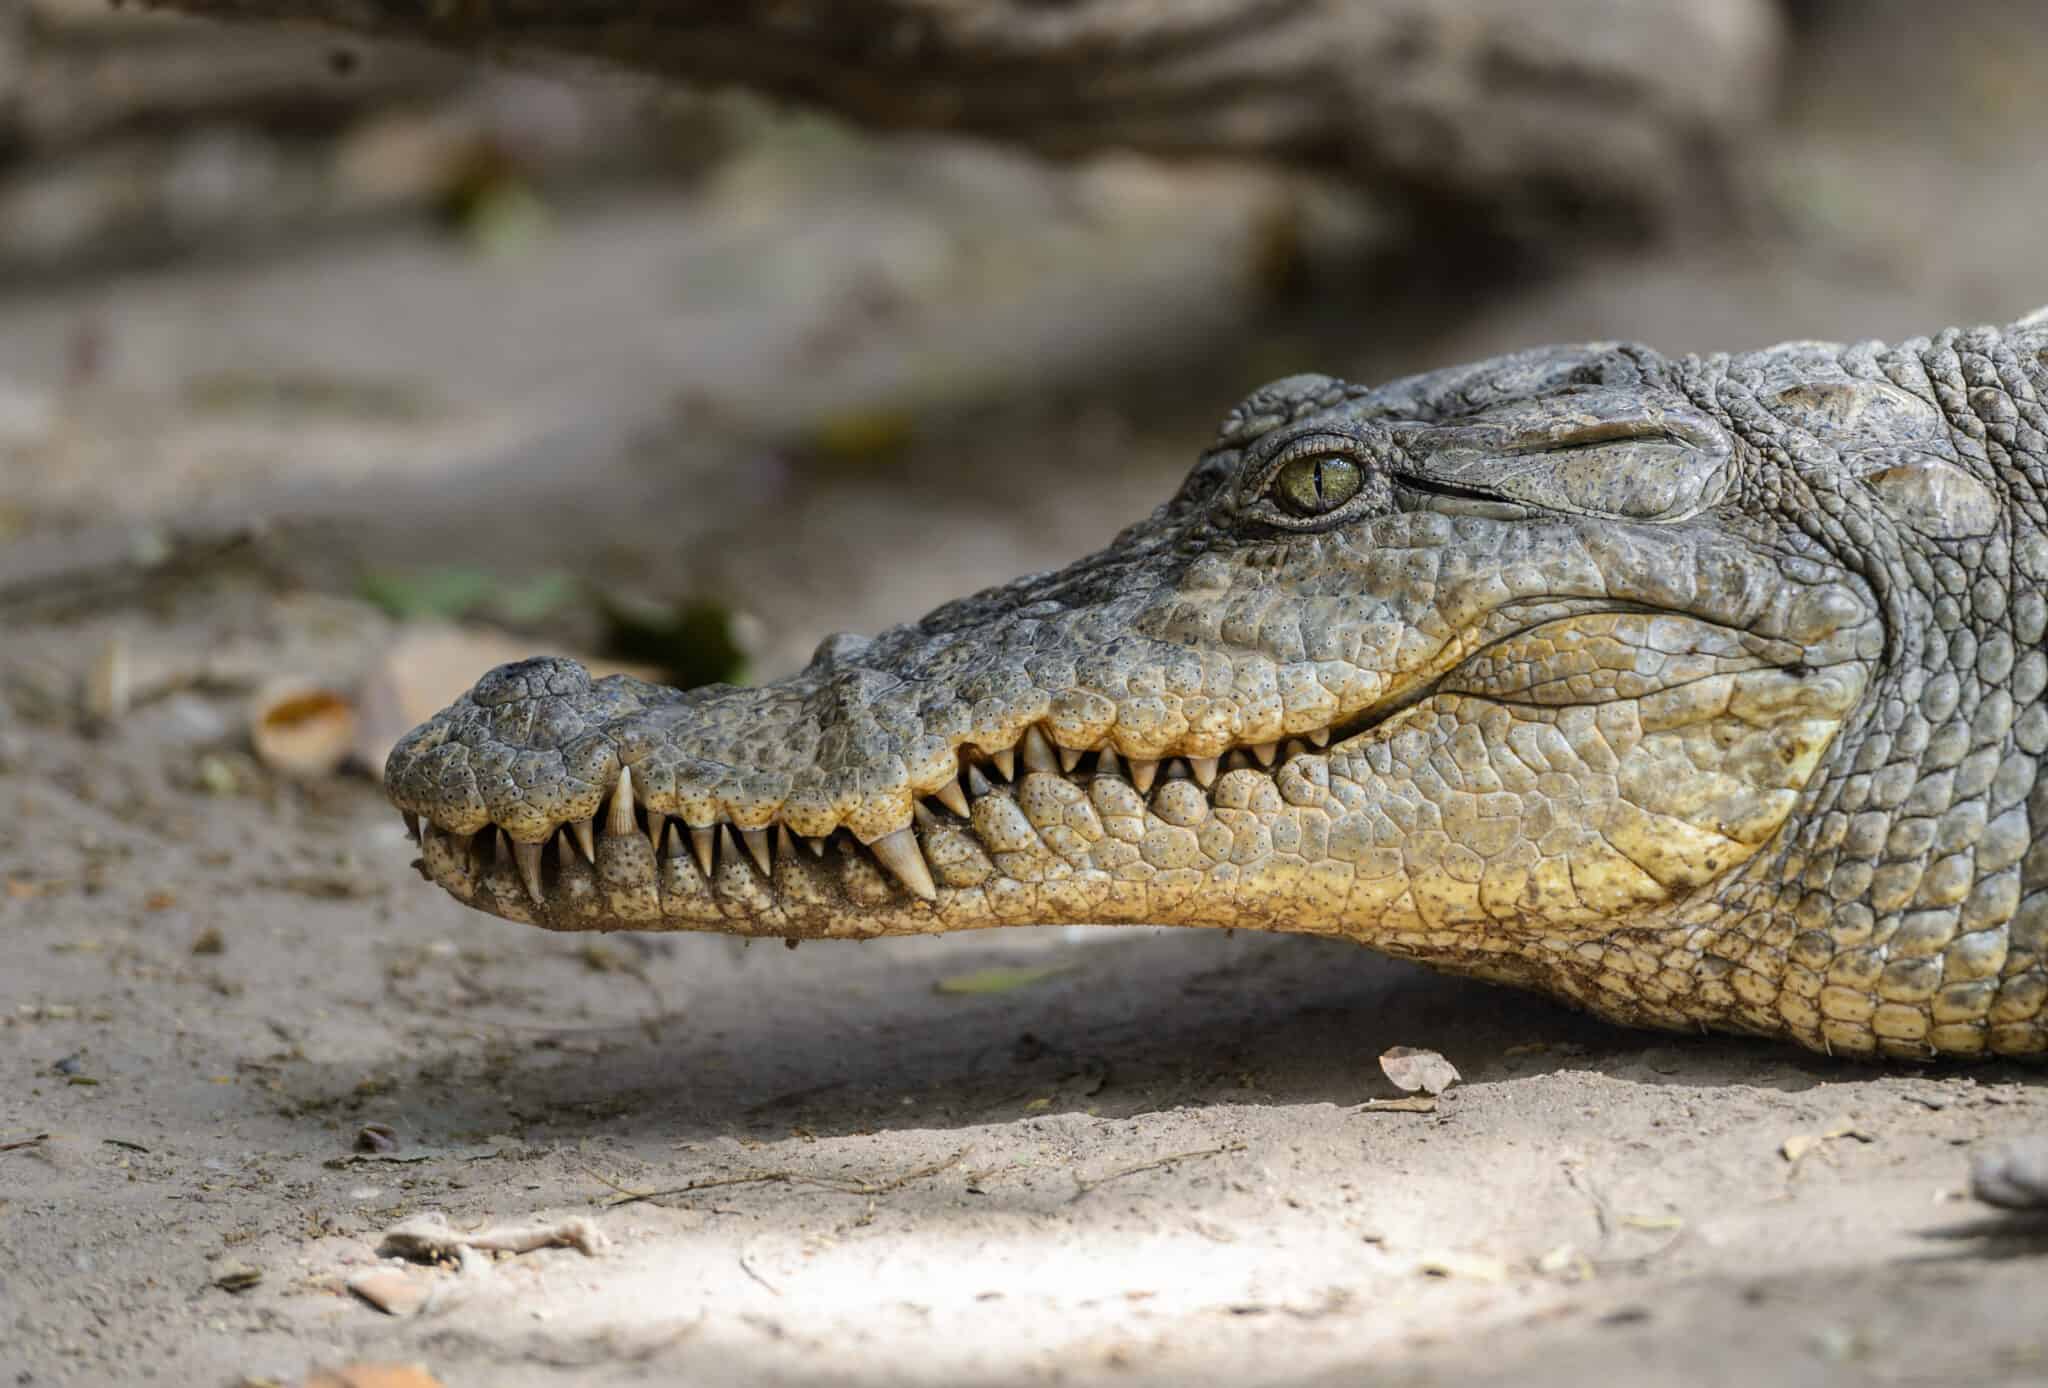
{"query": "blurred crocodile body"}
(1700, 692)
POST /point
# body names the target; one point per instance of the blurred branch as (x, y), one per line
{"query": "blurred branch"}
(1618, 106)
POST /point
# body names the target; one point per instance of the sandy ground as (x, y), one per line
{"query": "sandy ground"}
(1144, 1159)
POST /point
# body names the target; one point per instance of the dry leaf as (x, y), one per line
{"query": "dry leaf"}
(374, 1376)
(2013, 1177)
(1471, 1267)
(236, 1277)
(301, 729)
(1796, 1148)
(1566, 1261)
(1412, 1068)
(393, 1291)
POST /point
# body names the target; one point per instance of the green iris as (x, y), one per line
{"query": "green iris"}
(1316, 486)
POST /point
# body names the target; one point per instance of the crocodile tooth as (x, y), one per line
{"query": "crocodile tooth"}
(977, 784)
(785, 843)
(728, 846)
(1319, 736)
(756, 841)
(900, 854)
(1005, 763)
(815, 844)
(622, 821)
(1107, 764)
(657, 830)
(952, 797)
(1204, 769)
(1069, 758)
(1295, 748)
(1265, 752)
(1038, 753)
(921, 815)
(1143, 772)
(704, 843)
(412, 824)
(1236, 760)
(527, 855)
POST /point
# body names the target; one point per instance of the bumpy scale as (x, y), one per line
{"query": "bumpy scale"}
(1699, 692)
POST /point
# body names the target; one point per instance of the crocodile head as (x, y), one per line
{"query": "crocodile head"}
(1559, 668)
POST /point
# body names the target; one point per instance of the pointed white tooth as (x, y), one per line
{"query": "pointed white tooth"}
(1038, 752)
(728, 846)
(1265, 752)
(586, 843)
(785, 843)
(1069, 758)
(816, 845)
(1107, 764)
(704, 844)
(977, 784)
(565, 850)
(622, 821)
(952, 797)
(756, 841)
(1204, 769)
(1143, 772)
(412, 824)
(1295, 748)
(657, 830)
(922, 816)
(899, 853)
(672, 842)
(1236, 760)
(1320, 737)
(527, 855)
(1005, 763)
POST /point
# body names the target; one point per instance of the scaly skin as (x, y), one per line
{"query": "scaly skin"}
(1700, 692)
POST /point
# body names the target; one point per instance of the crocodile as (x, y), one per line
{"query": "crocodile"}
(1699, 692)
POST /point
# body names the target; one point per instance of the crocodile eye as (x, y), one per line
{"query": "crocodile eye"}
(1316, 486)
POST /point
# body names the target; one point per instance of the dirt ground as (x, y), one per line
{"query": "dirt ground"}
(1062, 1156)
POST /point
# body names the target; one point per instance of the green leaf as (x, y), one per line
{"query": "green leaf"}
(997, 980)
(537, 599)
(693, 644)
(446, 593)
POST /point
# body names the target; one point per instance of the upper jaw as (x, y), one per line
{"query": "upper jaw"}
(631, 865)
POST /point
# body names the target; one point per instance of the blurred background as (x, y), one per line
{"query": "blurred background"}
(334, 371)
(692, 377)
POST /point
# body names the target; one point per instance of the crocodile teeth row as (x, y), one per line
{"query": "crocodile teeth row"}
(1038, 752)
(898, 852)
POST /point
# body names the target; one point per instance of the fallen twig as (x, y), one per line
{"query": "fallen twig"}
(627, 1195)
(1413, 1103)
(24, 1142)
(429, 1237)
(750, 1270)
(1083, 1185)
